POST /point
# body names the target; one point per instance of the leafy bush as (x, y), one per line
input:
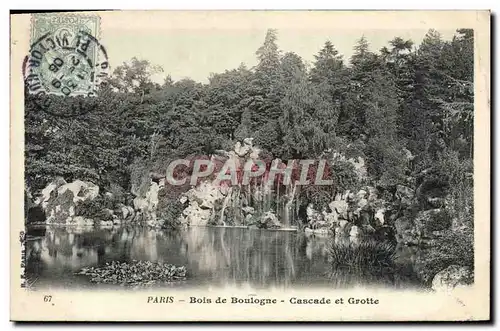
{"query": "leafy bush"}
(353, 150)
(139, 177)
(169, 209)
(455, 247)
(344, 176)
(94, 209)
(433, 183)
(386, 161)
(318, 195)
(118, 193)
(460, 199)
(441, 221)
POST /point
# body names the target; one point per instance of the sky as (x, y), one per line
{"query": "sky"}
(195, 53)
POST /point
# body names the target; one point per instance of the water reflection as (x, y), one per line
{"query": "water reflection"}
(213, 256)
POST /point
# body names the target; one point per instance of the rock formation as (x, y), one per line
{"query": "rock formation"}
(59, 200)
(451, 277)
(210, 203)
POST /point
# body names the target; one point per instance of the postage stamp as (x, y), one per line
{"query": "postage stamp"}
(65, 57)
(242, 166)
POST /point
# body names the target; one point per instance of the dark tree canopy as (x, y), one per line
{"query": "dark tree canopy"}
(406, 98)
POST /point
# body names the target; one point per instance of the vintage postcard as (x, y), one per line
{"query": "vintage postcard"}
(250, 166)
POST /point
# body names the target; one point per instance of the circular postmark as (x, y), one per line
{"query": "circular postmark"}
(64, 63)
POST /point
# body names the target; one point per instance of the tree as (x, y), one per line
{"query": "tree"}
(291, 65)
(352, 109)
(362, 55)
(399, 60)
(457, 101)
(266, 88)
(227, 97)
(306, 117)
(373, 102)
(135, 77)
(269, 59)
(328, 65)
(330, 77)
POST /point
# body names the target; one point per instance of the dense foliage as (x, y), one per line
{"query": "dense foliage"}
(419, 98)
(406, 109)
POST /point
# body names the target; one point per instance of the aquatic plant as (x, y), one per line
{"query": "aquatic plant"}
(135, 273)
(366, 254)
(367, 262)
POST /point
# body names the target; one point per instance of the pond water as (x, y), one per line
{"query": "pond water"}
(214, 257)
